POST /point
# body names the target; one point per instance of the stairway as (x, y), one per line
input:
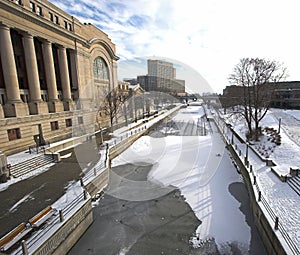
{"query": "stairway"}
(30, 165)
(294, 183)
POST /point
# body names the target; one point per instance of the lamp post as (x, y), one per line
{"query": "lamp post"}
(246, 158)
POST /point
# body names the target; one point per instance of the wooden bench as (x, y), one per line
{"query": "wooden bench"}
(14, 236)
(37, 220)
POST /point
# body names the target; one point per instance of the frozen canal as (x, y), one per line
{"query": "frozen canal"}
(175, 191)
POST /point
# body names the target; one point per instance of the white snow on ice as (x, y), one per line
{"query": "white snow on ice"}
(182, 161)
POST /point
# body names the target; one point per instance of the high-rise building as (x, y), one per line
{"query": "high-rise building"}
(54, 71)
(161, 77)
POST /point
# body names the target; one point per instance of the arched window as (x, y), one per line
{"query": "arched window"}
(100, 69)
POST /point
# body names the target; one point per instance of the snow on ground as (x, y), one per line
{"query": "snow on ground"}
(286, 154)
(290, 120)
(20, 157)
(186, 162)
(282, 199)
(31, 174)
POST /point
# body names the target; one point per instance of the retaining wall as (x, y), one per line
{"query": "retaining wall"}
(267, 234)
(266, 231)
(68, 234)
(98, 183)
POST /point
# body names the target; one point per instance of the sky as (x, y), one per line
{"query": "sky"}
(209, 37)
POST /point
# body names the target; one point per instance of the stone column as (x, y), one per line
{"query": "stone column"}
(53, 104)
(36, 105)
(9, 66)
(14, 106)
(65, 80)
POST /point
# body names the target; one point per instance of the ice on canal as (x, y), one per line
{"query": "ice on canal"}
(198, 167)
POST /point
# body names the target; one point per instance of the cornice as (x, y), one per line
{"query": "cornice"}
(106, 46)
(22, 12)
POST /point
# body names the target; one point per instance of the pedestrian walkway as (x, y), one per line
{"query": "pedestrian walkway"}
(279, 200)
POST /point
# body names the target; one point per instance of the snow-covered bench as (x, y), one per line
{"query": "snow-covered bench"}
(41, 217)
(14, 236)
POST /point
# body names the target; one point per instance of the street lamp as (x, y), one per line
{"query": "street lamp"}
(246, 158)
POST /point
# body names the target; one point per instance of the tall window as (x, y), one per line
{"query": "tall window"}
(51, 16)
(32, 6)
(39, 10)
(100, 69)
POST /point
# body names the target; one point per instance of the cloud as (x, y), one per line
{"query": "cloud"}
(210, 36)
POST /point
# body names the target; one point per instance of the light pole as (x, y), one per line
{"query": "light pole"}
(246, 158)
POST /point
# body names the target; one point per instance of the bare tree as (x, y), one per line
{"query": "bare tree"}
(115, 101)
(258, 78)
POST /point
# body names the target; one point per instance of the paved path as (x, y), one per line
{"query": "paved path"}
(24, 199)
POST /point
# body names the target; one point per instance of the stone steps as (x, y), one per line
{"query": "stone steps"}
(30, 165)
(294, 183)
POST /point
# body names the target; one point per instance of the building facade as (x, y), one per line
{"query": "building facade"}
(54, 71)
(285, 94)
(161, 77)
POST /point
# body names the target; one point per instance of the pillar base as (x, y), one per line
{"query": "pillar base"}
(55, 106)
(18, 109)
(38, 108)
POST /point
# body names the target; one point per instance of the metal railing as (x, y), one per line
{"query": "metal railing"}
(277, 224)
(43, 231)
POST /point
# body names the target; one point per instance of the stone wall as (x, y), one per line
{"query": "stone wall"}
(67, 235)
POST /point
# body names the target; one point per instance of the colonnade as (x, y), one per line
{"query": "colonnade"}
(14, 106)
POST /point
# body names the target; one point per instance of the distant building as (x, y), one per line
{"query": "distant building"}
(132, 81)
(286, 94)
(161, 77)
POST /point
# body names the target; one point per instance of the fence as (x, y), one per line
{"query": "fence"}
(41, 235)
(276, 221)
(38, 149)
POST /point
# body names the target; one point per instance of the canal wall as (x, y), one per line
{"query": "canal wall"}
(61, 241)
(98, 183)
(261, 211)
(261, 219)
(62, 232)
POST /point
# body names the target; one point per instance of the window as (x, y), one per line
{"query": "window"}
(56, 20)
(14, 134)
(68, 122)
(70, 27)
(80, 120)
(51, 16)
(66, 24)
(32, 6)
(19, 2)
(54, 125)
(100, 69)
(39, 10)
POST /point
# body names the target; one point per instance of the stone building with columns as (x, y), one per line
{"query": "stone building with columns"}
(53, 74)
